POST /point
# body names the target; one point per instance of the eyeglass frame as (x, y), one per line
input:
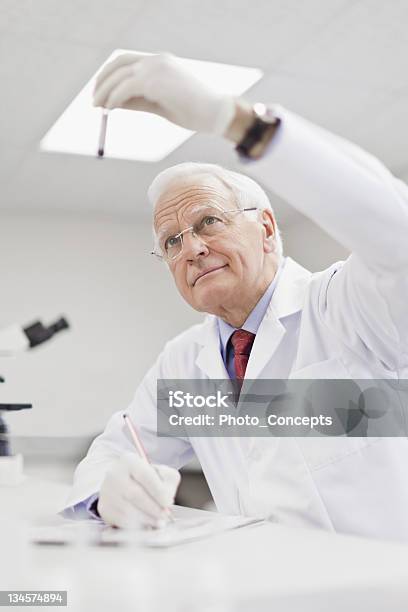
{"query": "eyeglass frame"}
(191, 229)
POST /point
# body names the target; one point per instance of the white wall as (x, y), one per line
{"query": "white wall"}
(121, 303)
(311, 246)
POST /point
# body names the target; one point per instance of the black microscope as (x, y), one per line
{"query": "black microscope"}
(14, 339)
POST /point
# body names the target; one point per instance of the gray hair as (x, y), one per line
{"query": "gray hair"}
(246, 191)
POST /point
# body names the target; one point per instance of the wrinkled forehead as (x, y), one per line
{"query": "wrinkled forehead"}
(181, 200)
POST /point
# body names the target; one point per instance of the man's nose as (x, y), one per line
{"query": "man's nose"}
(194, 246)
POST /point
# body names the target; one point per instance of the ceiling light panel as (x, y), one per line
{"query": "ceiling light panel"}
(136, 135)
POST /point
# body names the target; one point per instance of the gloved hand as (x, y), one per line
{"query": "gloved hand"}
(160, 84)
(135, 493)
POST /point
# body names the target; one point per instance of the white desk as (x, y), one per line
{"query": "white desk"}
(265, 567)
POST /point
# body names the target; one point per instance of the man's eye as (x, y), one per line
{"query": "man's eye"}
(209, 220)
(171, 242)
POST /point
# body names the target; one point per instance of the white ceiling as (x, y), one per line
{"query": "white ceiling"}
(341, 63)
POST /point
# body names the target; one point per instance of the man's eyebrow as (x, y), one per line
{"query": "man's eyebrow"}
(207, 206)
(167, 231)
(172, 230)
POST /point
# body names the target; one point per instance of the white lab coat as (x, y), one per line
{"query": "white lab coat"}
(347, 321)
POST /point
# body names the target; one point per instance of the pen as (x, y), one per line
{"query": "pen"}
(142, 452)
(102, 133)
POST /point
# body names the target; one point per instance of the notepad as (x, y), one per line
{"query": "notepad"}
(185, 528)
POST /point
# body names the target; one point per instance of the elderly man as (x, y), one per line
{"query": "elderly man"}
(268, 317)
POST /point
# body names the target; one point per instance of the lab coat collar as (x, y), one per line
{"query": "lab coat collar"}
(209, 359)
(290, 292)
(287, 299)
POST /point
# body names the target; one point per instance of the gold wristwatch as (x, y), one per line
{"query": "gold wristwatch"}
(260, 133)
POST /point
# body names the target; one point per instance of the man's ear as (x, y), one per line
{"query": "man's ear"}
(269, 226)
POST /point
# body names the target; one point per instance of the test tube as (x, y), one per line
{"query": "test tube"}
(102, 132)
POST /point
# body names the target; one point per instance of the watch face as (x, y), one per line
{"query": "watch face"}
(264, 113)
(260, 109)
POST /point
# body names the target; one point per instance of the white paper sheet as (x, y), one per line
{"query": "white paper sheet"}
(185, 528)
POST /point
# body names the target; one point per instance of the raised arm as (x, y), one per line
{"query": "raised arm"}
(352, 196)
(346, 191)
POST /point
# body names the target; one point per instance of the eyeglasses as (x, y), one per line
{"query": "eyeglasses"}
(209, 224)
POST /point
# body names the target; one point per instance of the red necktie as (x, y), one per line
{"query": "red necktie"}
(242, 342)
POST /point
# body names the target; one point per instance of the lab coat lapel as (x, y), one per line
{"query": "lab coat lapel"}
(287, 299)
(209, 359)
(268, 338)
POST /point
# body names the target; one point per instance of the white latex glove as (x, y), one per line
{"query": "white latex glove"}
(160, 84)
(135, 493)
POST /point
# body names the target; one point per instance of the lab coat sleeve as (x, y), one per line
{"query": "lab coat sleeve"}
(115, 439)
(355, 199)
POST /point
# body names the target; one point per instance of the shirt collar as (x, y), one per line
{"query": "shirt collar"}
(254, 319)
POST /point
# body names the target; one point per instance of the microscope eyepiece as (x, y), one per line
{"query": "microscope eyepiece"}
(37, 333)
